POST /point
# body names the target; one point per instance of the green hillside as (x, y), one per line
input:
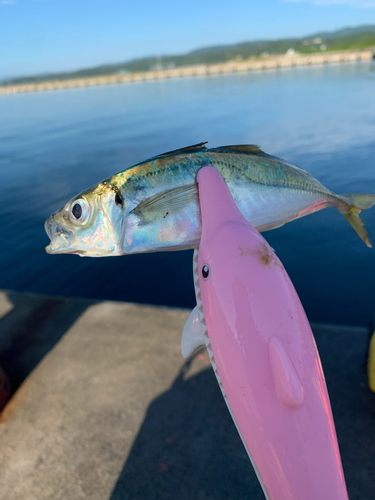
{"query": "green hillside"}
(362, 37)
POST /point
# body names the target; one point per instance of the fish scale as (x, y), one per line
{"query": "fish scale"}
(159, 210)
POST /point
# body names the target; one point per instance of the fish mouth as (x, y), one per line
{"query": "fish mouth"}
(60, 237)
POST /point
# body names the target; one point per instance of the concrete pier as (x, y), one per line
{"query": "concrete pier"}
(106, 408)
(203, 70)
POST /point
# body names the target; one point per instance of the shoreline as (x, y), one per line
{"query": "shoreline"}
(204, 70)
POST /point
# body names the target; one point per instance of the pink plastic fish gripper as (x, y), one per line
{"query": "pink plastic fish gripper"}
(263, 353)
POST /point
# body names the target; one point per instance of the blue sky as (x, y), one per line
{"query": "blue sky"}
(41, 36)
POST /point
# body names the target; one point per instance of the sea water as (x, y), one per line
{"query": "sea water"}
(55, 144)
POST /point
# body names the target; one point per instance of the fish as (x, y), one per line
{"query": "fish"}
(154, 206)
(263, 353)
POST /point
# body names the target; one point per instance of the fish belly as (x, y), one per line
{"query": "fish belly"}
(268, 207)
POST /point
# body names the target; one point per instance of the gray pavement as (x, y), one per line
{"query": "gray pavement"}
(106, 408)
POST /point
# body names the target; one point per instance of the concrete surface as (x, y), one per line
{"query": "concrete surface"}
(107, 409)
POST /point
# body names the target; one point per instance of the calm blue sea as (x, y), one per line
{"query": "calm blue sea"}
(55, 144)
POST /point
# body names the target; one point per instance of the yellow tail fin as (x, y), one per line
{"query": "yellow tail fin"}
(354, 204)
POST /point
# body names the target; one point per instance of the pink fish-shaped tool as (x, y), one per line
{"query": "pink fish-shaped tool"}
(263, 353)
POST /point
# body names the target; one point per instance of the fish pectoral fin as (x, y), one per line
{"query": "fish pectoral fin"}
(192, 336)
(165, 203)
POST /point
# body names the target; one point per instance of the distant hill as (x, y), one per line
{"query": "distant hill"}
(360, 37)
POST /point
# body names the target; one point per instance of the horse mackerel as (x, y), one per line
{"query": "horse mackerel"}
(154, 204)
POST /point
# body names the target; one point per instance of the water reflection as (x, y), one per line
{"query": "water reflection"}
(55, 144)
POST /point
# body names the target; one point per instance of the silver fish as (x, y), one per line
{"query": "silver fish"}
(154, 205)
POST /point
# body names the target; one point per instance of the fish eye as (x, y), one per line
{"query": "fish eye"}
(205, 271)
(79, 211)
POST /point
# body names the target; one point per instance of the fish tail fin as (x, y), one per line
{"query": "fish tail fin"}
(352, 207)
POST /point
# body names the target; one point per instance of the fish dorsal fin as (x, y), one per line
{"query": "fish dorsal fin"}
(164, 204)
(243, 148)
(196, 148)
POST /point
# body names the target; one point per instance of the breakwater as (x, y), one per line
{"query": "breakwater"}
(202, 70)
